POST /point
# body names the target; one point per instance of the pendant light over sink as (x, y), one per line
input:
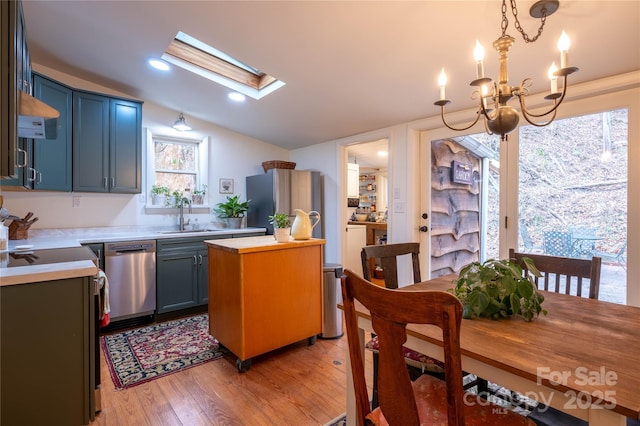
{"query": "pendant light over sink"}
(181, 124)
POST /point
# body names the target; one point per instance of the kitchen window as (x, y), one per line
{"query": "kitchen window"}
(178, 164)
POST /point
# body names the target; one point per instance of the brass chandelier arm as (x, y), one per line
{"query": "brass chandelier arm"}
(556, 102)
(546, 123)
(455, 128)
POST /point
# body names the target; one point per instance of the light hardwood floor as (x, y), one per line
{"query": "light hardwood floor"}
(295, 385)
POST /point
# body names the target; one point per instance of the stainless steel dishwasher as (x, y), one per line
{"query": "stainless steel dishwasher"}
(130, 267)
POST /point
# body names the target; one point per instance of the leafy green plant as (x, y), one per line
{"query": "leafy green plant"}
(499, 289)
(280, 220)
(231, 208)
(202, 191)
(160, 190)
(177, 198)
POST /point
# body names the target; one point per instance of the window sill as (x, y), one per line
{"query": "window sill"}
(201, 208)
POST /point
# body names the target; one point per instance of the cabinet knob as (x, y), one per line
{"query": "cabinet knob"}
(424, 229)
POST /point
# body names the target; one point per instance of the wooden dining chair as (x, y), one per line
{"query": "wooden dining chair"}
(427, 400)
(388, 255)
(564, 274)
(561, 275)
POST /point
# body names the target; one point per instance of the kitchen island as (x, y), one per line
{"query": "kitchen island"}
(264, 295)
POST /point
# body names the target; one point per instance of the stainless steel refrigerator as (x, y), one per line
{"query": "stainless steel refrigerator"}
(282, 191)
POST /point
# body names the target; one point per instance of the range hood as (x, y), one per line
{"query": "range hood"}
(36, 120)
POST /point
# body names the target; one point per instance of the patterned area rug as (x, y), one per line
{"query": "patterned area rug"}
(143, 354)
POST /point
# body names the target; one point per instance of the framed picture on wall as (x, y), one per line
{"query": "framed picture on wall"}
(226, 186)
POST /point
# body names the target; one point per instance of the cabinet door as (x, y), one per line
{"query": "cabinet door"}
(52, 157)
(176, 280)
(353, 175)
(51, 366)
(203, 277)
(125, 147)
(90, 142)
(14, 158)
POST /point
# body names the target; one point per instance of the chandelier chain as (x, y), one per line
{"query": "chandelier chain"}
(514, 10)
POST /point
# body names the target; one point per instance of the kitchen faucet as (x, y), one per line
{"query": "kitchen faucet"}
(182, 201)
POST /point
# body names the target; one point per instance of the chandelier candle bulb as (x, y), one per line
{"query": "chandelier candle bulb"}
(484, 93)
(442, 82)
(554, 79)
(478, 56)
(563, 45)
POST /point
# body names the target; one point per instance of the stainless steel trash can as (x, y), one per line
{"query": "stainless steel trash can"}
(332, 295)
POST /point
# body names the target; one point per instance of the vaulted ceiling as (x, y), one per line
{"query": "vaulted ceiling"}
(349, 66)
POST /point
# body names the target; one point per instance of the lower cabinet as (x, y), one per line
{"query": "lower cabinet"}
(182, 277)
(181, 273)
(47, 353)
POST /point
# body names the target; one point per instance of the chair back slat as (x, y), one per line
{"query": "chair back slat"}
(574, 273)
(388, 255)
(391, 310)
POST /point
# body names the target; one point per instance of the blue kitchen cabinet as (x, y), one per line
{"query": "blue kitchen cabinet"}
(182, 273)
(15, 158)
(52, 158)
(125, 146)
(107, 144)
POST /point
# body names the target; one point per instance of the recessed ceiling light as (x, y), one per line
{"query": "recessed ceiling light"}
(382, 153)
(159, 64)
(235, 96)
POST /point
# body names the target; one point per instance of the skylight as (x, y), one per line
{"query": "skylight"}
(193, 55)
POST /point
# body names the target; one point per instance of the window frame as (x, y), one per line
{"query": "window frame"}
(201, 172)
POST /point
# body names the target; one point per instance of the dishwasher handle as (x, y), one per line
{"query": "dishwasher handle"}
(130, 248)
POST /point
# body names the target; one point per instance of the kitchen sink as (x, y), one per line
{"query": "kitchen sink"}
(188, 231)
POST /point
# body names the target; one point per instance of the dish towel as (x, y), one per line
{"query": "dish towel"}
(105, 308)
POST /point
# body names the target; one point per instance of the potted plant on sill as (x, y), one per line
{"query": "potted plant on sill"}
(176, 199)
(498, 289)
(281, 227)
(198, 195)
(232, 211)
(159, 195)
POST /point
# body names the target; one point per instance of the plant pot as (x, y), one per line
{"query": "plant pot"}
(233, 222)
(198, 200)
(282, 235)
(158, 199)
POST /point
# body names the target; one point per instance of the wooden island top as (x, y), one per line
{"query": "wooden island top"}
(258, 244)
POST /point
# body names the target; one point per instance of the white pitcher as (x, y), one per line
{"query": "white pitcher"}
(301, 228)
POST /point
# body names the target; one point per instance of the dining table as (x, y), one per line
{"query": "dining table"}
(582, 357)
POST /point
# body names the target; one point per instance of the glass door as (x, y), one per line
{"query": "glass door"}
(572, 196)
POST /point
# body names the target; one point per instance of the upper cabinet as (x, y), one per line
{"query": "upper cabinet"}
(353, 177)
(107, 144)
(52, 158)
(14, 56)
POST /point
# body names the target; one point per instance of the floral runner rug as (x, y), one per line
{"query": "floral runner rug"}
(147, 353)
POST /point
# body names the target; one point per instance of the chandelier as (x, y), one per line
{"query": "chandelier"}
(500, 118)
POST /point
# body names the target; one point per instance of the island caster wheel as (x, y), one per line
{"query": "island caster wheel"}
(312, 340)
(243, 366)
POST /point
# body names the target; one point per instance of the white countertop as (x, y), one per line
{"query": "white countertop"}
(74, 237)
